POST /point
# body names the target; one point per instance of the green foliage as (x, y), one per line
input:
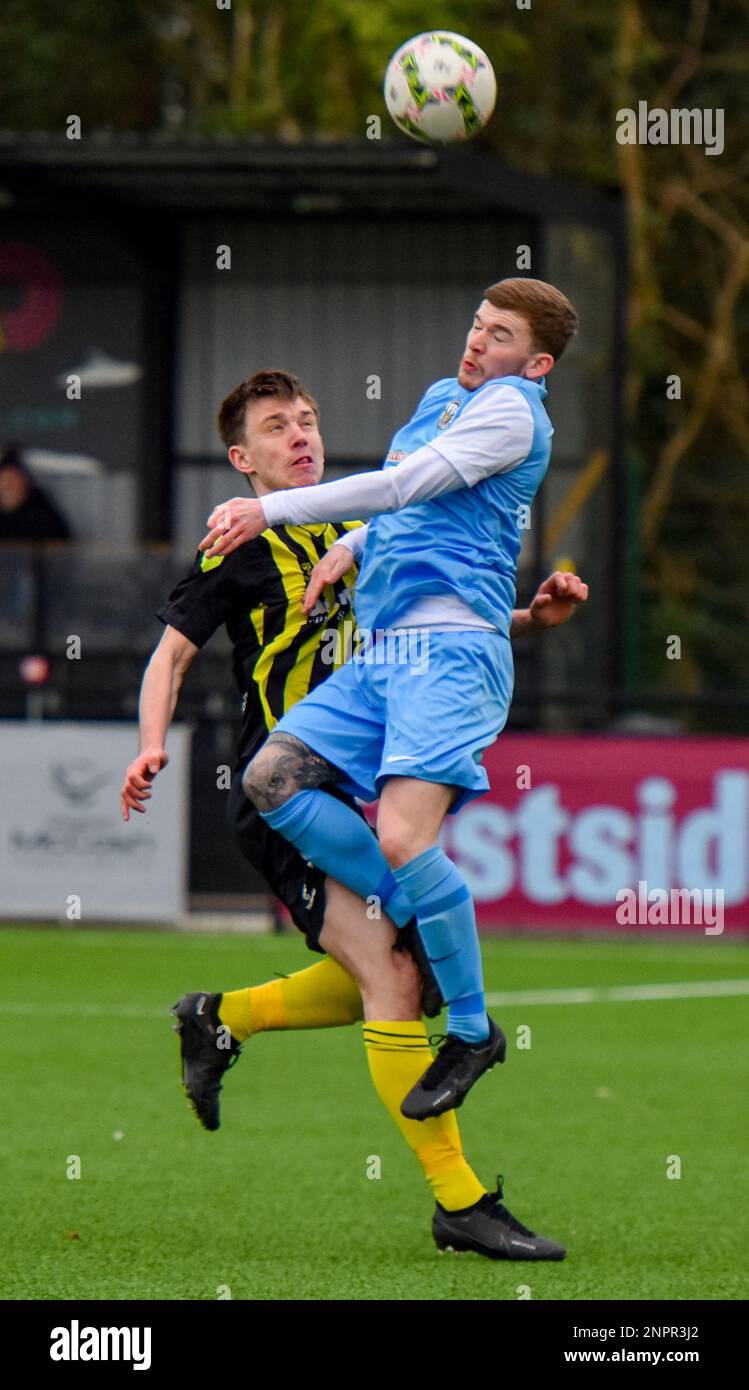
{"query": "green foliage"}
(96, 59)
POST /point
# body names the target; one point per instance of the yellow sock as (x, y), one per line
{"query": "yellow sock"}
(398, 1054)
(322, 996)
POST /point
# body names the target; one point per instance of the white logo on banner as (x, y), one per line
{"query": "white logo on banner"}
(61, 832)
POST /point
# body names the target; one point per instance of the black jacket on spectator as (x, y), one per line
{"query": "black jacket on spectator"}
(37, 519)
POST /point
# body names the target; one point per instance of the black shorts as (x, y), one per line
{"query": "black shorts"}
(298, 884)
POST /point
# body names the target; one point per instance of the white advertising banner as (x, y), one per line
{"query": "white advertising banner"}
(65, 852)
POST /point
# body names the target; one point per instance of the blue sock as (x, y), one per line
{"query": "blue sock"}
(336, 839)
(447, 926)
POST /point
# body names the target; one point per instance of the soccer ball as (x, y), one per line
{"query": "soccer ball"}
(440, 88)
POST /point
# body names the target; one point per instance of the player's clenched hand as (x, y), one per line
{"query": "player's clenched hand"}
(231, 524)
(333, 566)
(138, 778)
(557, 599)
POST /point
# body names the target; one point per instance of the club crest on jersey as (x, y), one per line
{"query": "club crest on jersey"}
(448, 414)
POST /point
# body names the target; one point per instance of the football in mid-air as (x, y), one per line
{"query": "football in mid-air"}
(440, 87)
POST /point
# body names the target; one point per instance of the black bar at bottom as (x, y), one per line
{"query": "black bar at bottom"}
(163, 1339)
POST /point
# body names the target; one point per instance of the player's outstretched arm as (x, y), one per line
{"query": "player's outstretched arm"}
(423, 475)
(555, 602)
(492, 435)
(158, 700)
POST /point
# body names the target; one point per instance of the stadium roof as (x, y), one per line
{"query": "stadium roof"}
(228, 175)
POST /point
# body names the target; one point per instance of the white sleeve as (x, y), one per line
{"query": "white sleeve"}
(354, 540)
(421, 476)
(492, 434)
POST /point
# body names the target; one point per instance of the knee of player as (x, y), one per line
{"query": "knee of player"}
(258, 782)
(395, 844)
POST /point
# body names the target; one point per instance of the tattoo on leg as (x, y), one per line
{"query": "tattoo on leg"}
(284, 766)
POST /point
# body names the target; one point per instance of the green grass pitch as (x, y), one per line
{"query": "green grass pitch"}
(278, 1205)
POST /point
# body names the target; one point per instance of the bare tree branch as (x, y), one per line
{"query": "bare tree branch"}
(690, 57)
(657, 499)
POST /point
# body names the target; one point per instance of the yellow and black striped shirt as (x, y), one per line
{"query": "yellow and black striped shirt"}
(280, 653)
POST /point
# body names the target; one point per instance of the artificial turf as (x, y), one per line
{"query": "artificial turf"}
(277, 1204)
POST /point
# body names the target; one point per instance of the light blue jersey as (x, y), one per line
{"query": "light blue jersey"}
(465, 543)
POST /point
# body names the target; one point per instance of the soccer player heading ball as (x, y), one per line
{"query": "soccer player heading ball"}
(271, 429)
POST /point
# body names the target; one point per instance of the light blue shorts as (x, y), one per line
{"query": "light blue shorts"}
(425, 708)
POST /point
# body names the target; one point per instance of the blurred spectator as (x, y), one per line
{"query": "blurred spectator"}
(26, 512)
